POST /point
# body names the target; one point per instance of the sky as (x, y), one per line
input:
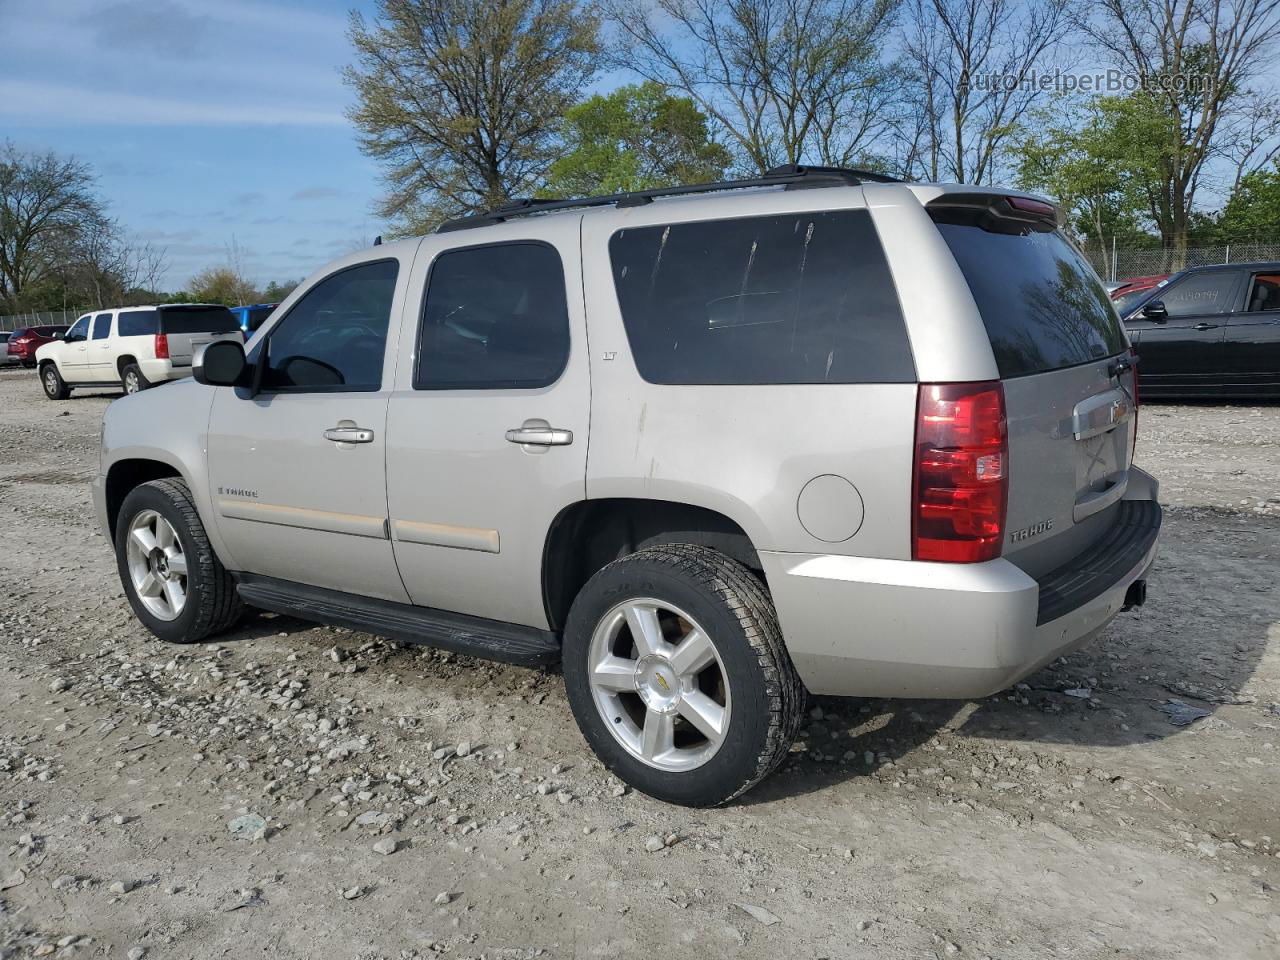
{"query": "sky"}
(208, 122)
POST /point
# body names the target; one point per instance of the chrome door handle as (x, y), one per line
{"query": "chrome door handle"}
(349, 435)
(1205, 326)
(543, 435)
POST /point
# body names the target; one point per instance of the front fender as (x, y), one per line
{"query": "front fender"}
(169, 425)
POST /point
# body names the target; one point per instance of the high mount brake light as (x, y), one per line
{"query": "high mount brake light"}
(961, 472)
(1038, 207)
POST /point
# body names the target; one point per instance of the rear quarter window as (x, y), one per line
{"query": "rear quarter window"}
(1041, 303)
(138, 323)
(793, 298)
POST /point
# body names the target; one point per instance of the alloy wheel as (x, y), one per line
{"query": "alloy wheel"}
(659, 684)
(157, 565)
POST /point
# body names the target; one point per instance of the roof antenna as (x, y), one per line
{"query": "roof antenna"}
(377, 241)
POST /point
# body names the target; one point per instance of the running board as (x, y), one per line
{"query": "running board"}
(457, 632)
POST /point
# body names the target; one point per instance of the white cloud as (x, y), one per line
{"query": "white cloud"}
(172, 63)
(46, 103)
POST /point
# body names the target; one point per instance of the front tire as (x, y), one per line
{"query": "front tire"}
(175, 583)
(132, 380)
(676, 672)
(55, 388)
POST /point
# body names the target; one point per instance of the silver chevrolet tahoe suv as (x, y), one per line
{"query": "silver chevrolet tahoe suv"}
(707, 448)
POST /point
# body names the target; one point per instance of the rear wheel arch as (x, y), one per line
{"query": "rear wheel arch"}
(590, 534)
(123, 361)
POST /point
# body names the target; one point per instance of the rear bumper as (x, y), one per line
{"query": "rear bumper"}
(158, 370)
(893, 628)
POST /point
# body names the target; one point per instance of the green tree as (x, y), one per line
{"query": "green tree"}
(222, 285)
(462, 100)
(275, 292)
(1099, 169)
(635, 138)
(1252, 213)
(1195, 59)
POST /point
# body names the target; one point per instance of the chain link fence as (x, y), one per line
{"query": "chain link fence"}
(1121, 264)
(35, 318)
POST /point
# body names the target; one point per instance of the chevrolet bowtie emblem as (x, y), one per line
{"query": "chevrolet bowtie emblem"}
(662, 681)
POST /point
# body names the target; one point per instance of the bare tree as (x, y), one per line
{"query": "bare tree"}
(1251, 136)
(101, 266)
(1196, 59)
(785, 80)
(973, 64)
(45, 201)
(462, 99)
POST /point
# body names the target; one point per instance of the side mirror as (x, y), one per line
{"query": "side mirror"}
(1155, 312)
(220, 364)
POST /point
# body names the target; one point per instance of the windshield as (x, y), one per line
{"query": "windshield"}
(1043, 306)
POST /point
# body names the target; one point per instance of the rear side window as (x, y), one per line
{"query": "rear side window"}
(101, 326)
(495, 317)
(1042, 304)
(1200, 294)
(138, 323)
(197, 320)
(794, 298)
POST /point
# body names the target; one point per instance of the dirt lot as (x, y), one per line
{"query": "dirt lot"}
(1067, 818)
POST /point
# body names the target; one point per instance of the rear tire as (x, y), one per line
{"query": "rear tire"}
(55, 388)
(132, 380)
(160, 516)
(718, 729)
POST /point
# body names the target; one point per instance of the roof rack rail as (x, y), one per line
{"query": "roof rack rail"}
(791, 175)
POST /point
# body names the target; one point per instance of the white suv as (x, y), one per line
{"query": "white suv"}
(134, 347)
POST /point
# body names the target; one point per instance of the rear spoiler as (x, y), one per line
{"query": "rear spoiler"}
(997, 212)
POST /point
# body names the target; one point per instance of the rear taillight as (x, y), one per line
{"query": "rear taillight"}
(162, 346)
(961, 475)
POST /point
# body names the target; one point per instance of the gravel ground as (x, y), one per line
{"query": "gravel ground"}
(299, 791)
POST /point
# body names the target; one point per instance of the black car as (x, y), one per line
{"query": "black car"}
(1210, 332)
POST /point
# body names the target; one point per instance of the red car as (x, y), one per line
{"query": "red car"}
(1130, 291)
(26, 340)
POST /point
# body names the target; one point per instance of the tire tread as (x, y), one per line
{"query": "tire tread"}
(747, 599)
(220, 604)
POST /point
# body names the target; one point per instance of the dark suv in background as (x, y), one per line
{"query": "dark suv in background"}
(1210, 331)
